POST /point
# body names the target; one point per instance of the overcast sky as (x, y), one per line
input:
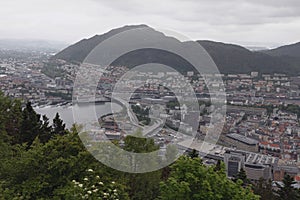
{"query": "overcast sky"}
(246, 22)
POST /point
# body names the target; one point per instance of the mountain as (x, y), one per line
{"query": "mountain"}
(292, 50)
(257, 48)
(78, 52)
(232, 58)
(229, 58)
(33, 45)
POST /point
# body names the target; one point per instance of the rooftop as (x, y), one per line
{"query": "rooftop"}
(243, 139)
(218, 151)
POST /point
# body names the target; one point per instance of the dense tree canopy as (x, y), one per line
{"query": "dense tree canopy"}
(191, 180)
(39, 160)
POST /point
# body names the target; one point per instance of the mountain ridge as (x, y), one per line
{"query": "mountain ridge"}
(291, 50)
(229, 58)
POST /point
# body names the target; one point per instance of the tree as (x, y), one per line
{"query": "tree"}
(92, 187)
(10, 119)
(37, 162)
(30, 126)
(263, 188)
(219, 166)
(194, 154)
(241, 175)
(46, 129)
(189, 180)
(145, 185)
(59, 128)
(287, 191)
(38, 171)
(14, 120)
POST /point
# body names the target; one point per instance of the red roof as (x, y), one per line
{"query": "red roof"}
(275, 145)
(264, 143)
(297, 178)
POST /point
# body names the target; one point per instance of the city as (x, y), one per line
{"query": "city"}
(262, 124)
(150, 100)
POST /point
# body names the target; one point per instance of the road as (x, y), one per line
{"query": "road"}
(146, 130)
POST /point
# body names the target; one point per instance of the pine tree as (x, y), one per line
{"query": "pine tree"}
(287, 191)
(243, 177)
(59, 128)
(31, 125)
(46, 130)
(263, 188)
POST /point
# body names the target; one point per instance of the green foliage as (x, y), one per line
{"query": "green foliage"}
(243, 177)
(59, 128)
(38, 171)
(30, 126)
(263, 188)
(191, 180)
(45, 132)
(287, 191)
(146, 185)
(10, 119)
(194, 154)
(92, 187)
(142, 114)
(138, 144)
(172, 104)
(40, 161)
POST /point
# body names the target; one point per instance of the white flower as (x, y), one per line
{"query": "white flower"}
(113, 182)
(115, 190)
(74, 181)
(85, 179)
(100, 183)
(95, 190)
(97, 176)
(80, 185)
(89, 192)
(105, 194)
(93, 186)
(90, 170)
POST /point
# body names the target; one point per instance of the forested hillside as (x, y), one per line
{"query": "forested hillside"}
(43, 161)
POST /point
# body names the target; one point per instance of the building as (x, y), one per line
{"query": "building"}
(247, 110)
(254, 74)
(242, 142)
(256, 171)
(234, 162)
(256, 165)
(281, 170)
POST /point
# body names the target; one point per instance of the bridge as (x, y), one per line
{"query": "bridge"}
(146, 130)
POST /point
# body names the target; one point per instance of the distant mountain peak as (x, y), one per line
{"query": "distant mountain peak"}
(222, 44)
(78, 51)
(229, 58)
(291, 50)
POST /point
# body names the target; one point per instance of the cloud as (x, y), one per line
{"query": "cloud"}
(263, 21)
